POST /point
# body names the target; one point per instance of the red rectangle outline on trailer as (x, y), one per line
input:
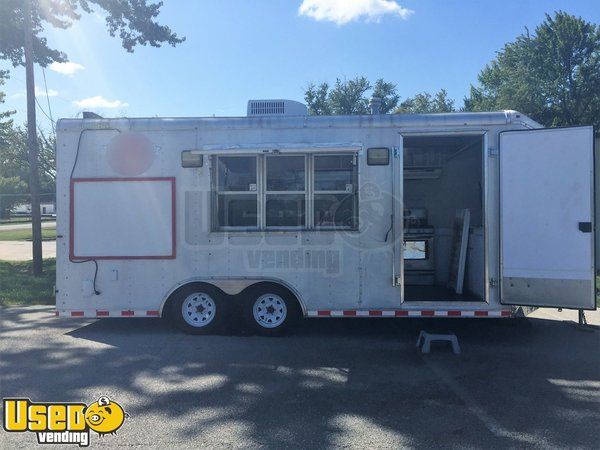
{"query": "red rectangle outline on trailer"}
(72, 255)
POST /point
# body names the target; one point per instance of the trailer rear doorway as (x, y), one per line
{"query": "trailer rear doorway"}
(442, 176)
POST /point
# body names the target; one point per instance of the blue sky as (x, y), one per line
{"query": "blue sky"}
(237, 50)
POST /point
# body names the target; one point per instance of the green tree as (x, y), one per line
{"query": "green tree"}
(5, 120)
(424, 103)
(10, 186)
(348, 97)
(12, 192)
(552, 75)
(133, 21)
(317, 100)
(14, 167)
(14, 159)
(22, 23)
(387, 93)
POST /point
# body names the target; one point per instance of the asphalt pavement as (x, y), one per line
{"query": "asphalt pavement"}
(356, 383)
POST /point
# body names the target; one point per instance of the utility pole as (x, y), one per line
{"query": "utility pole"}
(32, 144)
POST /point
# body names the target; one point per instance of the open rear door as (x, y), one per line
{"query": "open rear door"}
(546, 217)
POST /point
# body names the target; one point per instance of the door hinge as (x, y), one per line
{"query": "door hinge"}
(493, 282)
(492, 151)
(397, 281)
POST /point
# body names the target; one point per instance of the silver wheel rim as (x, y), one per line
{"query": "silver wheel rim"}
(269, 310)
(198, 309)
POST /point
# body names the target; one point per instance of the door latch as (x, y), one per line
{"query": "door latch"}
(493, 283)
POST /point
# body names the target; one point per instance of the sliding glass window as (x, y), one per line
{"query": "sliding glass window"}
(237, 192)
(335, 191)
(285, 192)
(285, 200)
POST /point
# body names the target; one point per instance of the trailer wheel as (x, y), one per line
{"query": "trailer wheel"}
(270, 310)
(198, 308)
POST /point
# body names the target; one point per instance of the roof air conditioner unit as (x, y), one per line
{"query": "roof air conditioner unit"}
(276, 108)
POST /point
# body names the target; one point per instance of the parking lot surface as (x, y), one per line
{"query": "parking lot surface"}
(334, 383)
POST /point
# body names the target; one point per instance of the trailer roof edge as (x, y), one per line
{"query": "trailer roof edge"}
(457, 119)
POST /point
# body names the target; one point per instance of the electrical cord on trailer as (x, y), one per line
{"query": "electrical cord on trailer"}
(390, 228)
(96, 291)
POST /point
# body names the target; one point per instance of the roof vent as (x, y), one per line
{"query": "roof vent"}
(276, 108)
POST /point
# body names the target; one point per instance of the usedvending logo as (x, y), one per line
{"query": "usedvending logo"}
(63, 423)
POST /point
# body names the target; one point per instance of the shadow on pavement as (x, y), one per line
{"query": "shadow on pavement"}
(336, 382)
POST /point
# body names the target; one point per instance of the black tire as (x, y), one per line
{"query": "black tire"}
(277, 310)
(206, 308)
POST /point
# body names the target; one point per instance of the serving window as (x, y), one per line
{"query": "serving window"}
(236, 192)
(291, 191)
(285, 202)
(335, 191)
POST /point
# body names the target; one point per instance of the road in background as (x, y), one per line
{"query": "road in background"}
(22, 250)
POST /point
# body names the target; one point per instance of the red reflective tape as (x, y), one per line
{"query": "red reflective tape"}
(481, 313)
(324, 312)
(76, 313)
(454, 313)
(401, 313)
(127, 313)
(375, 313)
(152, 313)
(102, 313)
(505, 313)
(428, 313)
(349, 313)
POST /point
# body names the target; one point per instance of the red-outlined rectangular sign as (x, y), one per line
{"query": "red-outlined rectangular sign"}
(72, 218)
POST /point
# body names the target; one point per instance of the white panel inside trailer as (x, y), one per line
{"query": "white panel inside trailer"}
(546, 190)
(123, 219)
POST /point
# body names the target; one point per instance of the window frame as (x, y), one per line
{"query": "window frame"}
(216, 192)
(265, 192)
(262, 192)
(333, 192)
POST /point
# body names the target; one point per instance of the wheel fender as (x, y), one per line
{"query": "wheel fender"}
(232, 286)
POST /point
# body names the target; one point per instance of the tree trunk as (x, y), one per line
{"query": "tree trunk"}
(32, 147)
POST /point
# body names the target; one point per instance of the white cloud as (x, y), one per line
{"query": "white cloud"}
(66, 68)
(39, 92)
(99, 102)
(344, 11)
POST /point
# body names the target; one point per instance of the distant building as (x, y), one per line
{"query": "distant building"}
(24, 209)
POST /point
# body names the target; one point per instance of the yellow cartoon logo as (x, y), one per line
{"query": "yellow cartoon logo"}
(63, 423)
(105, 416)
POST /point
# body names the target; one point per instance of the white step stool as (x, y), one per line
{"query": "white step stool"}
(426, 338)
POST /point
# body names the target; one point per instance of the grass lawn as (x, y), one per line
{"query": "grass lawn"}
(25, 234)
(19, 287)
(25, 219)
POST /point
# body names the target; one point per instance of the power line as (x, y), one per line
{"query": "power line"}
(44, 112)
(48, 100)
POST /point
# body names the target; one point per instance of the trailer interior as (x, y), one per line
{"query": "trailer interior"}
(443, 176)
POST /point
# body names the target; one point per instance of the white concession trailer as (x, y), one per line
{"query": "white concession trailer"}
(277, 215)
